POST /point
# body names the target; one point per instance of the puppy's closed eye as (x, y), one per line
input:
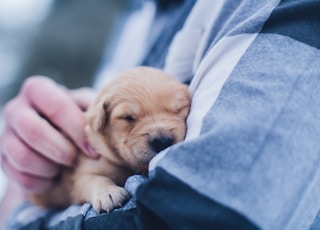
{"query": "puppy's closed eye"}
(127, 112)
(128, 118)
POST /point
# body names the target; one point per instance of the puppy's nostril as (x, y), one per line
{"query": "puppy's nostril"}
(160, 143)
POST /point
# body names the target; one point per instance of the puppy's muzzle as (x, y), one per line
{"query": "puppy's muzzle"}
(159, 143)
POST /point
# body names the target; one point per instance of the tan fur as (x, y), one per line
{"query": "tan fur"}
(138, 106)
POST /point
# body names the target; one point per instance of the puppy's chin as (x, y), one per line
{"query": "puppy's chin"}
(137, 159)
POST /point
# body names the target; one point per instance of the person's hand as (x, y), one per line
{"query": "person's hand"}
(44, 129)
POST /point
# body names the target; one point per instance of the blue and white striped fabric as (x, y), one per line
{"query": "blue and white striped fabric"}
(254, 128)
(251, 158)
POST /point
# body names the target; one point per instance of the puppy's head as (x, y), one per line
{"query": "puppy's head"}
(137, 115)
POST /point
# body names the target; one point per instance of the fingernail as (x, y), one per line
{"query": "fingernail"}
(92, 152)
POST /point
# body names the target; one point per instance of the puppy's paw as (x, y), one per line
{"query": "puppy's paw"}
(109, 198)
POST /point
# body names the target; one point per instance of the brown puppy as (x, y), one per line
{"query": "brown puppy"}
(134, 117)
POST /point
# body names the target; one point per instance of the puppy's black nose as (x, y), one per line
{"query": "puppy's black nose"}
(160, 143)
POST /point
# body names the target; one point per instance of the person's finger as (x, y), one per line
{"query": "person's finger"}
(26, 181)
(37, 133)
(83, 97)
(59, 109)
(24, 159)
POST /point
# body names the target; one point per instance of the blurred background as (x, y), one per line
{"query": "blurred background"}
(62, 39)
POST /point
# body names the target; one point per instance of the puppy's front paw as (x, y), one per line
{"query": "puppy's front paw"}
(109, 198)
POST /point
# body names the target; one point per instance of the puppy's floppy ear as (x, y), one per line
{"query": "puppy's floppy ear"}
(98, 116)
(103, 117)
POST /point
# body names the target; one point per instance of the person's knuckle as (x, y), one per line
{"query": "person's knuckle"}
(28, 183)
(23, 180)
(9, 107)
(21, 159)
(3, 163)
(31, 132)
(55, 108)
(65, 156)
(33, 82)
(35, 184)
